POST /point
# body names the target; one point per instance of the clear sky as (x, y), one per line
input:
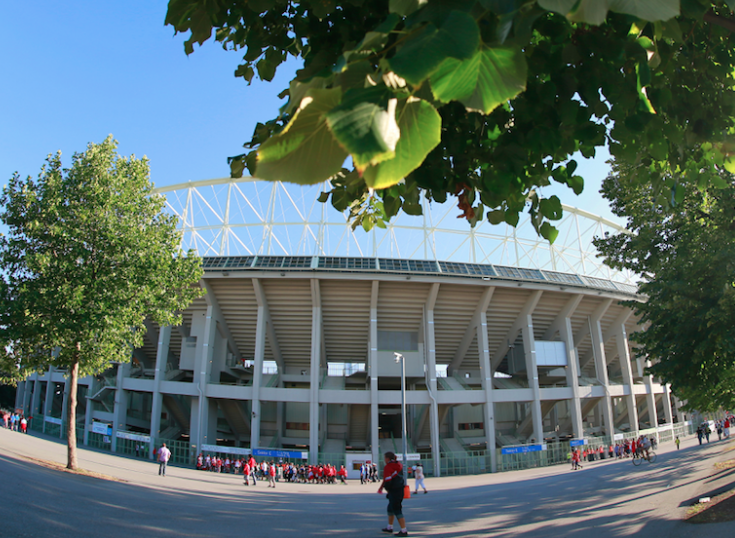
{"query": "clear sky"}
(76, 71)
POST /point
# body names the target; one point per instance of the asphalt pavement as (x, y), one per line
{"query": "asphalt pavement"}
(605, 499)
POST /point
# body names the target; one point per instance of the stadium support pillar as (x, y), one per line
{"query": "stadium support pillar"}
(162, 351)
(483, 348)
(567, 337)
(27, 391)
(64, 408)
(626, 368)
(89, 410)
(316, 346)
(373, 373)
(529, 347)
(650, 398)
(668, 413)
(204, 369)
(257, 376)
(48, 402)
(430, 349)
(598, 350)
(19, 394)
(119, 417)
(36, 400)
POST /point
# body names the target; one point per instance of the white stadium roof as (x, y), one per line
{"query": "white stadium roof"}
(248, 217)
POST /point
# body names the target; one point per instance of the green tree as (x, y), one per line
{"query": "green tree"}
(687, 263)
(484, 100)
(88, 255)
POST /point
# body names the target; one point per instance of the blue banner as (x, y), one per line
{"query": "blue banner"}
(287, 454)
(577, 442)
(522, 449)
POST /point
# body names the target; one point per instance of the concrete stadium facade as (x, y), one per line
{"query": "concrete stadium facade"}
(507, 341)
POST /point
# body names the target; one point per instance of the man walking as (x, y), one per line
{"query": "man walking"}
(164, 454)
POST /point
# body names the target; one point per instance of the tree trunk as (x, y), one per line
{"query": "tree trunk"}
(71, 418)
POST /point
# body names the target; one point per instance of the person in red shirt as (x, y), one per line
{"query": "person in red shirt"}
(272, 475)
(394, 484)
(342, 473)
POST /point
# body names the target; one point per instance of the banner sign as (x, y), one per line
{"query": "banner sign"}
(577, 442)
(134, 437)
(522, 449)
(53, 420)
(101, 428)
(288, 454)
(666, 427)
(226, 449)
(618, 437)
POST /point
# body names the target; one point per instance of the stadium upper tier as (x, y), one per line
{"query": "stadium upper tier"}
(248, 217)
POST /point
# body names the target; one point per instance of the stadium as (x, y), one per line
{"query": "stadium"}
(513, 348)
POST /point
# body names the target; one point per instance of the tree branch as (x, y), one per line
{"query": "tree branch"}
(718, 20)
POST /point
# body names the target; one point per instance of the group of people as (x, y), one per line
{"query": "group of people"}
(620, 450)
(721, 426)
(368, 473)
(15, 421)
(272, 471)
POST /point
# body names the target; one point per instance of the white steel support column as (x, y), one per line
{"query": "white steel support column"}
(120, 411)
(27, 392)
(627, 369)
(483, 348)
(373, 373)
(162, 351)
(529, 347)
(430, 348)
(572, 371)
(314, 377)
(598, 349)
(257, 377)
(668, 412)
(48, 402)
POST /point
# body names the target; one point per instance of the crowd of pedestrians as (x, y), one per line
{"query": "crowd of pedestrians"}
(272, 472)
(722, 427)
(15, 421)
(622, 449)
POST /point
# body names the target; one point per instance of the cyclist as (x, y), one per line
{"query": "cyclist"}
(645, 447)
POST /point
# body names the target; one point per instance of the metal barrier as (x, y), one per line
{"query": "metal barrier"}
(131, 447)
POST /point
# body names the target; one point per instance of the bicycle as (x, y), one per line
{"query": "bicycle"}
(638, 457)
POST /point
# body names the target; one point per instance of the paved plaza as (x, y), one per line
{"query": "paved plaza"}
(608, 498)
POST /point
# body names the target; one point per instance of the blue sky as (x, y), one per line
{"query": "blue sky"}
(77, 71)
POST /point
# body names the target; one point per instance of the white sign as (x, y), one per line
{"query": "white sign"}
(618, 437)
(53, 420)
(409, 457)
(226, 449)
(101, 428)
(666, 427)
(134, 437)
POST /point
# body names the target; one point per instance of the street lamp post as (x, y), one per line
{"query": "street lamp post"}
(400, 358)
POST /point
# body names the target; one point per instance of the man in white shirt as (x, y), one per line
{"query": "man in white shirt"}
(164, 454)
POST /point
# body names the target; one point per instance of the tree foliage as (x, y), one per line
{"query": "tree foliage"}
(88, 255)
(687, 261)
(484, 100)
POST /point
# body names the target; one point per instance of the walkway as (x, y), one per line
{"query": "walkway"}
(608, 498)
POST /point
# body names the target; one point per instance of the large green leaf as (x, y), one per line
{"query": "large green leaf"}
(420, 126)
(365, 125)
(488, 79)
(405, 7)
(458, 38)
(305, 151)
(648, 10)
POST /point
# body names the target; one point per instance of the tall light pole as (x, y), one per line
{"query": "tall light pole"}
(400, 358)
